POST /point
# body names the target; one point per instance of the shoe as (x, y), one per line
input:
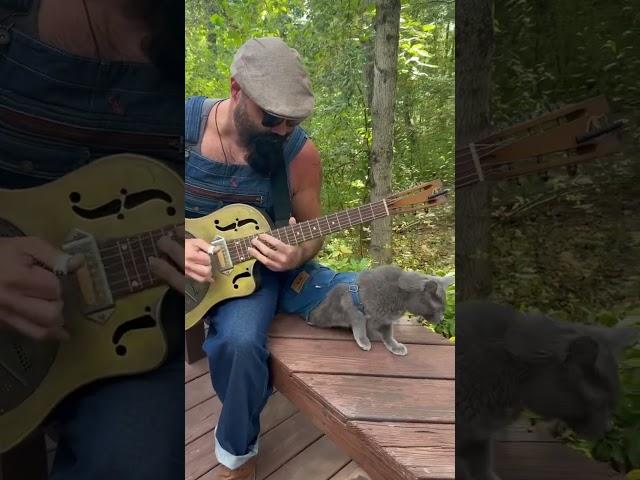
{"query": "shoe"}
(247, 471)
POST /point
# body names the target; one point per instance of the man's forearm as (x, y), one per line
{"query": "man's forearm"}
(310, 249)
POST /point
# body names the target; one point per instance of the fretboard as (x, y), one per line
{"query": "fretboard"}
(125, 261)
(310, 229)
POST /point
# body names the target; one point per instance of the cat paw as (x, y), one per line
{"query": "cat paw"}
(366, 346)
(399, 349)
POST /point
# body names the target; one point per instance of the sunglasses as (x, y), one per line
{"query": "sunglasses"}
(271, 121)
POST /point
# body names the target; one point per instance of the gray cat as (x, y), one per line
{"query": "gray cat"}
(507, 361)
(368, 303)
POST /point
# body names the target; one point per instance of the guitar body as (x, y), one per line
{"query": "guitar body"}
(231, 222)
(35, 376)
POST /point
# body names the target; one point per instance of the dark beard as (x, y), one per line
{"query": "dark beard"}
(266, 153)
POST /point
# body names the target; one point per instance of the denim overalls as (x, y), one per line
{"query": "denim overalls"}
(56, 110)
(304, 288)
(237, 337)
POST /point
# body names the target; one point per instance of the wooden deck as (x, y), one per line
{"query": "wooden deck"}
(392, 415)
(401, 407)
(291, 448)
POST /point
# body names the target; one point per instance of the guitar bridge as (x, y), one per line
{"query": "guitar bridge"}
(222, 255)
(91, 277)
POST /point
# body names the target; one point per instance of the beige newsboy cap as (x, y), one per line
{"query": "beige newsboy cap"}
(272, 75)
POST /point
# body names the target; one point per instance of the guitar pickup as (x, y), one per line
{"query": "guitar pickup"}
(91, 278)
(220, 251)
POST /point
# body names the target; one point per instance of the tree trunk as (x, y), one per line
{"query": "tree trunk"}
(385, 72)
(474, 52)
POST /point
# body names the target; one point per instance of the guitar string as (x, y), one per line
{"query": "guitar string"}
(288, 233)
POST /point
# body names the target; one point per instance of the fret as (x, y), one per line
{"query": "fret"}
(125, 261)
(351, 221)
(238, 255)
(308, 225)
(124, 264)
(153, 245)
(318, 229)
(289, 234)
(360, 213)
(143, 252)
(135, 283)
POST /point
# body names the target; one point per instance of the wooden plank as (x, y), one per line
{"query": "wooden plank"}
(201, 419)
(291, 326)
(337, 357)
(195, 369)
(527, 461)
(373, 458)
(351, 472)
(392, 434)
(426, 463)
(198, 390)
(428, 450)
(319, 461)
(281, 444)
(199, 454)
(382, 398)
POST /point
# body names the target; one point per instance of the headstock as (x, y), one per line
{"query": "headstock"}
(566, 136)
(420, 197)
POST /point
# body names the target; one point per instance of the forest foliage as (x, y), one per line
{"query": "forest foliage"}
(335, 41)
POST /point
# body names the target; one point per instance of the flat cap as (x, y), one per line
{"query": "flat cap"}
(272, 75)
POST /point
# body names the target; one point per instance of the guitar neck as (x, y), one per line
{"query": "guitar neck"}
(125, 260)
(315, 228)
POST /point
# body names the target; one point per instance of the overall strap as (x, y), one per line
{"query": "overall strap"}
(279, 181)
(294, 144)
(192, 116)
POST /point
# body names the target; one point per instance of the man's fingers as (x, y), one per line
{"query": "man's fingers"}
(199, 278)
(199, 243)
(201, 270)
(276, 256)
(31, 329)
(51, 257)
(267, 262)
(168, 273)
(42, 312)
(40, 283)
(272, 241)
(42, 251)
(197, 257)
(173, 249)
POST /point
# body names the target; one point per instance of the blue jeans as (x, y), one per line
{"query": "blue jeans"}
(236, 347)
(132, 428)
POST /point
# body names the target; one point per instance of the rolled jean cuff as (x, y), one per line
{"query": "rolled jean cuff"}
(231, 461)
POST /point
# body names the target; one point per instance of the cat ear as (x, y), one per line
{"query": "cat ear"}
(415, 282)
